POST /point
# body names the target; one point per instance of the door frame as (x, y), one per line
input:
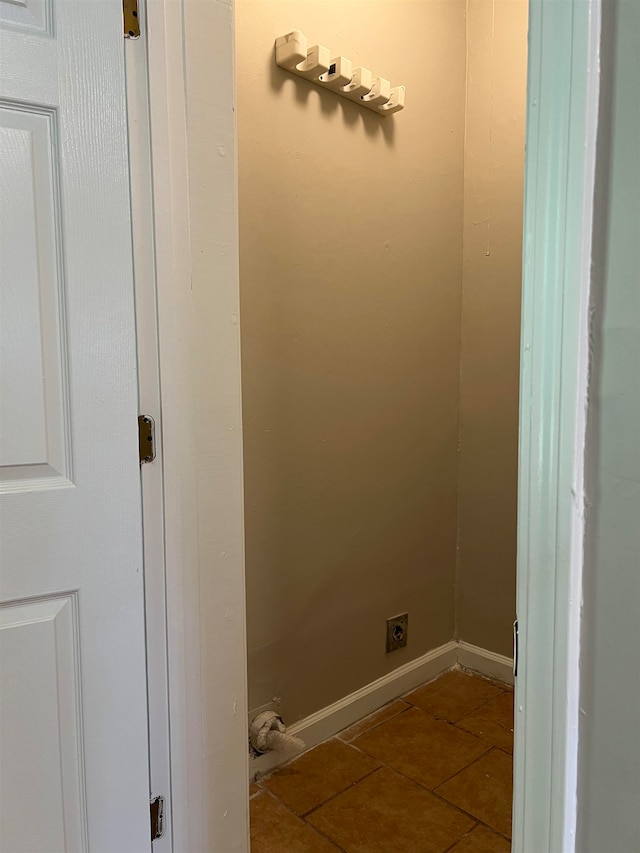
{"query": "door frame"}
(193, 326)
(149, 403)
(193, 144)
(562, 123)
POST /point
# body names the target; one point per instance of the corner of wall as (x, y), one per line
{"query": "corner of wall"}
(490, 321)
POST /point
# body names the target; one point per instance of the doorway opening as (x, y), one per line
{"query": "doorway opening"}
(380, 283)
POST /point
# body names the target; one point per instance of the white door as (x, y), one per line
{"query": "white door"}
(73, 745)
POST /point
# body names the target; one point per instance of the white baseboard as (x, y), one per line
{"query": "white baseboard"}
(485, 662)
(334, 718)
(327, 722)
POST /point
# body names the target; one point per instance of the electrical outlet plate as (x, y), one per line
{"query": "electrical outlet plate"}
(397, 632)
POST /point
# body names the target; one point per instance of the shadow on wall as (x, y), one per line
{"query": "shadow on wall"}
(353, 116)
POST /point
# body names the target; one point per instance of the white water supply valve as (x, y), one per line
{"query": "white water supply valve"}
(268, 732)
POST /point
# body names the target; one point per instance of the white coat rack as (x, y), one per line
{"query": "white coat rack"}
(359, 84)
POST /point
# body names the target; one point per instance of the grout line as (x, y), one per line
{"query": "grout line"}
(466, 767)
(478, 821)
(375, 725)
(321, 834)
(455, 806)
(423, 786)
(433, 791)
(381, 764)
(479, 825)
(302, 819)
(462, 837)
(439, 797)
(337, 794)
(489, 748)
(449, 802)
(504, 686)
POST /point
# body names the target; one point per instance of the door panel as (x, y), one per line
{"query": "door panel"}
(74, 741)
(34, 360)
(39, 648)
(34, 15)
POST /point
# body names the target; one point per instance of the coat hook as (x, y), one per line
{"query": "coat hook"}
(379, 94)
(359, 85)
(291, 50)
(395, 102)
(316, 63)
(338, 75)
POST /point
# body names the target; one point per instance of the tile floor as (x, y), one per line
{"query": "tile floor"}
(428, 773)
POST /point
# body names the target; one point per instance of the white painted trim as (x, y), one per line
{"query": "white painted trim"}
(172, 246)
(580, 265)
(149, 403)
(334, 718)
(327, 722)
(563, 89)
(484, 662)
(190, 44)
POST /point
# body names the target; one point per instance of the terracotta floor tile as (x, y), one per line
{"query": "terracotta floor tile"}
(482, 840)
(484, 790)
(318, 775)
(390, 710)
(426, 750)
(253, 790)
(454, 695)
(493, 722)
(275, 830)
(387, 812)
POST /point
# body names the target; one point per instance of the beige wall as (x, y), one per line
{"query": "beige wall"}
(351, 260)
(492, 269)
(351, 241)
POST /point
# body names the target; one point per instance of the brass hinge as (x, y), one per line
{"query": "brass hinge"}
(146, 438)
(156, 812)
(130, 18)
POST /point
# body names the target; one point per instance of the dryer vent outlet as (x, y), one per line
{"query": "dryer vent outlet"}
(397, 632)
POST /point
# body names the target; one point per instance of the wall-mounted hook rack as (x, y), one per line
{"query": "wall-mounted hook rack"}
(358, 84)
